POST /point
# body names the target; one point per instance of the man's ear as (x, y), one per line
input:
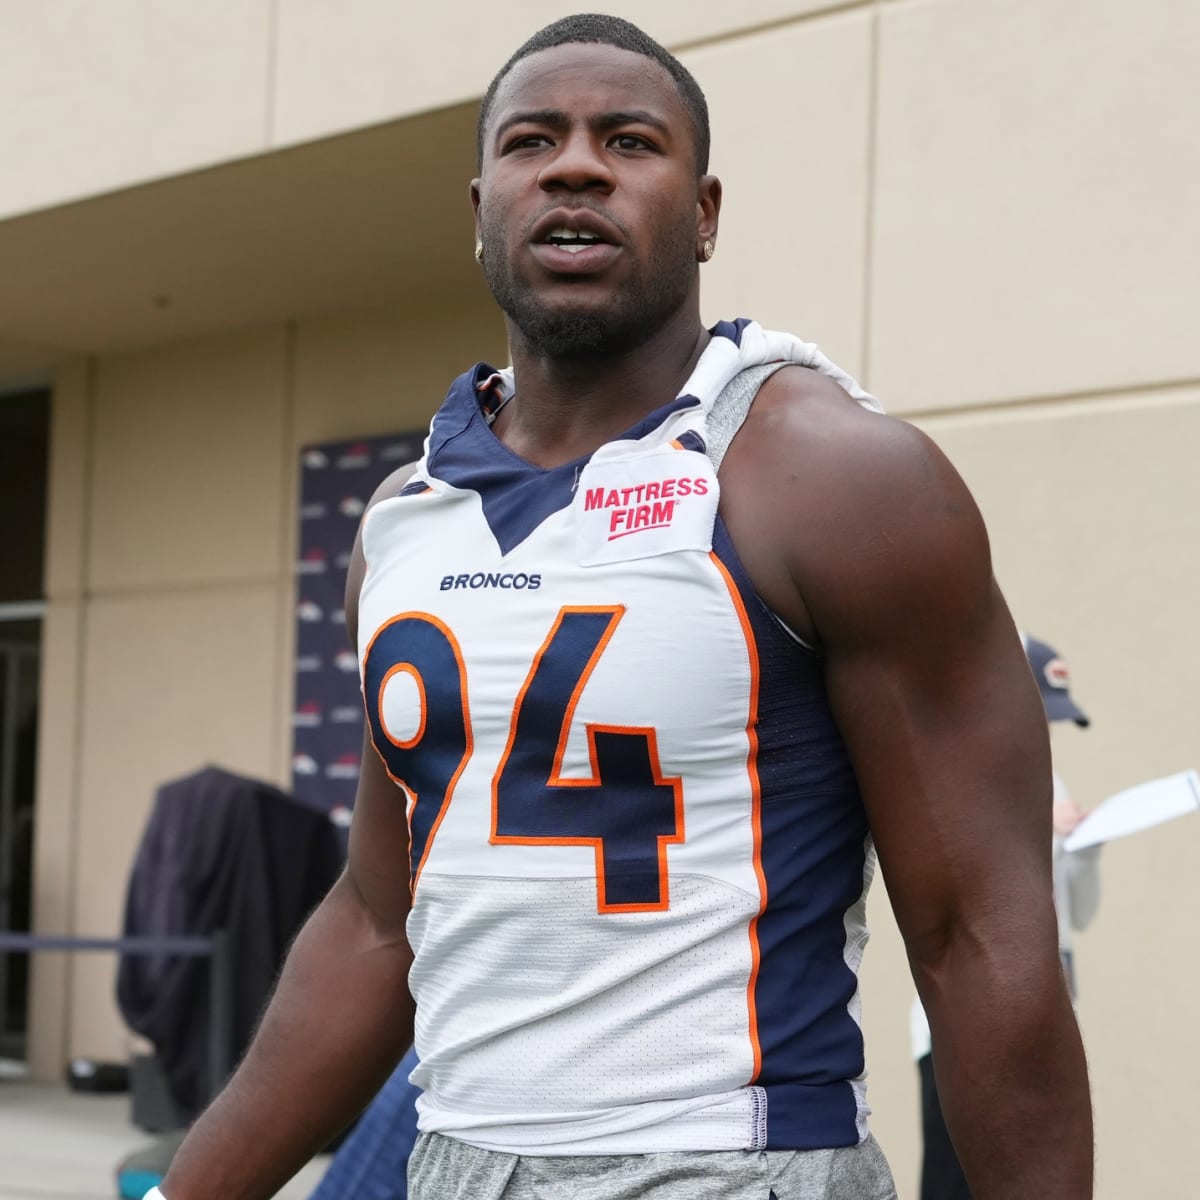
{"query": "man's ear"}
(475, 204)
(708, 208)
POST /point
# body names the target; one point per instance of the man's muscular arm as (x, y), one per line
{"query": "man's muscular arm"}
(885, 563)
(341, 1016)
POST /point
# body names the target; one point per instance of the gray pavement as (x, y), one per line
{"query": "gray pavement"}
(61, 1145)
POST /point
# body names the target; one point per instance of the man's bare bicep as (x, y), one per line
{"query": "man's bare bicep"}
(930, 689)
(378, 865)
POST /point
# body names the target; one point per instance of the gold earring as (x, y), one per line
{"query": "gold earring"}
(709, 249)
(479, 253)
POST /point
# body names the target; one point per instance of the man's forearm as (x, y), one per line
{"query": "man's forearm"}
(308, 1072)
(1011, 1074)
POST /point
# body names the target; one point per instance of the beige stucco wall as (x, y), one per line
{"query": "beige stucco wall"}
(792, 244)
(1034, 240)
(1092, 507)
(169, 628)
(988, 208)
(1094, 511)
(98, 97)
(1037, 190)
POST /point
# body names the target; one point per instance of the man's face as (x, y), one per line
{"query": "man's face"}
(588, 205)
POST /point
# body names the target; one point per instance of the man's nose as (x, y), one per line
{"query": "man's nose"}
(579, 164)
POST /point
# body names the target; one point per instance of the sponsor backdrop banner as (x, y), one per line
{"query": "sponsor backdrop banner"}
(336, 481)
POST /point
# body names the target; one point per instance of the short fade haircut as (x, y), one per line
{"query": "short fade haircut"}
(599, 28)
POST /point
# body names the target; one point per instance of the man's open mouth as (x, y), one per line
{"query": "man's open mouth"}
(572, 240)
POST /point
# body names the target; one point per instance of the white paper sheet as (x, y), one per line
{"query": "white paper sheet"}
(1137, 808)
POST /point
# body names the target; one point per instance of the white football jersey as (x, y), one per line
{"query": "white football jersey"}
(639, 856)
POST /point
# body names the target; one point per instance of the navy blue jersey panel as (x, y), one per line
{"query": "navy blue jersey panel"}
(516, 496)
(814, 833)
(800, 1117)
(730, 329)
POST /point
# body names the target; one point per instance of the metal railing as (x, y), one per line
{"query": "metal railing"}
(220, 978)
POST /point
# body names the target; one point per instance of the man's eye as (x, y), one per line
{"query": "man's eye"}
(527, 141)
(630, 141)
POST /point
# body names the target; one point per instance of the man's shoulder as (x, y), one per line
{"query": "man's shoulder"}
(841, 502)
(804, 426)
(393, 484)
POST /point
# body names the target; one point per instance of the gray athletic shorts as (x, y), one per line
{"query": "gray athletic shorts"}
(443, 1168)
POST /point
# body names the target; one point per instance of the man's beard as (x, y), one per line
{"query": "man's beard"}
(631, 316)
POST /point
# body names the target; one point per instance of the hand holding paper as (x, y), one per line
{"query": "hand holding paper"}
(1137, 808)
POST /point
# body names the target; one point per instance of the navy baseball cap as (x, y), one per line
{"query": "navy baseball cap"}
(1054, 682)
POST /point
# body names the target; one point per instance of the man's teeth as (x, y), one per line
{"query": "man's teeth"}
(571, 240)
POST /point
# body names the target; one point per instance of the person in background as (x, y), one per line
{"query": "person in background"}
(1076, 899)
(372, 1163)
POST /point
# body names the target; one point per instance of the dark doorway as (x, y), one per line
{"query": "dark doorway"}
(24, 450)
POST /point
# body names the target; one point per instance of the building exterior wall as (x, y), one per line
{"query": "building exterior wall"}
(989, 209)
(1094, 510)
(168, 635)
(130, 92)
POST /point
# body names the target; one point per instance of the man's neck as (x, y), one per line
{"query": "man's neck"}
(565, 408)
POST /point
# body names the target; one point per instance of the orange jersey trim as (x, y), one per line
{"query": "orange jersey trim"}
(755, 808)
